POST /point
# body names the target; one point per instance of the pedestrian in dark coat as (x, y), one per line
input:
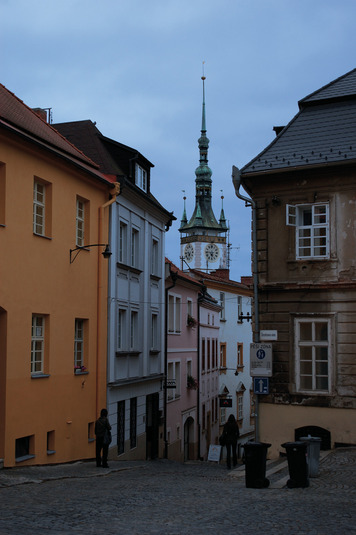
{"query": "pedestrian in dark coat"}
(231, 433)
(101, 425)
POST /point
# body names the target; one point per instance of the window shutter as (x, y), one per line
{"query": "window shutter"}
(291, 215)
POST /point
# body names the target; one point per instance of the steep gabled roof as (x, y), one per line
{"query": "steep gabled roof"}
(323, 132)
(16, 114)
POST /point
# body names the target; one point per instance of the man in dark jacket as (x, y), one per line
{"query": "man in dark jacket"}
(101, 426)
(231, 433)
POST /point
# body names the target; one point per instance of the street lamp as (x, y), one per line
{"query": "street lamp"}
(106, 253)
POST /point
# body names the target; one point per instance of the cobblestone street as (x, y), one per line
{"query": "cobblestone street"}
(166, 497)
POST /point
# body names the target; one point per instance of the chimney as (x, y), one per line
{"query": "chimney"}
(43, 113)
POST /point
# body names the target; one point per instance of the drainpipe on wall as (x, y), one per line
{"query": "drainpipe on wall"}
(99, 286)
(174, 277)
(198, 372)
(236, 180)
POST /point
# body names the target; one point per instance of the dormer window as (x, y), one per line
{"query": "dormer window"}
(141, 177)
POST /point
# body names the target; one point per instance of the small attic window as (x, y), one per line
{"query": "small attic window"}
(141, 177)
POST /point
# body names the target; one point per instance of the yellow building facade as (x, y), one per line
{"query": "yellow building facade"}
(53, 302)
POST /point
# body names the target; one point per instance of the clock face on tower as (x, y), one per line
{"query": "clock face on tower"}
(188, 252)
(211, 252)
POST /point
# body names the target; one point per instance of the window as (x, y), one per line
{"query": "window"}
(189, 368)
(240, 406)
(240, 353)
(189, 310)
(154, 332)
(91, 431)
(121, 329)
(121, 427)
(154, 257)
(51, 443)
(203, 422)
(133, 329)
(222, 304)
(203, 355)
(133, 422)
(24, 448)
(134, 247)
(2, 192)
(223, 357)
(222, 416)
(208, 355)
(79, 345)
(39, 199)
(311, 224)
(122, 242)
(80, 221)
(239, 308)
(313, 355)
(141, 177)
(174, 314)
(174, 378)
(37, 344)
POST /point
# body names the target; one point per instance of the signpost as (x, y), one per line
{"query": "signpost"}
(261, 385)
(261, 360)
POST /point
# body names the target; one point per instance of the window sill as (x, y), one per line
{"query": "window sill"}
(129, 268)
(24, 458)
(223, 320)
(40, 375)
(42, 236)
(155, 277)
(80, 372)
(51, 452)
(155, 352)
(90, 440)
(127, 353)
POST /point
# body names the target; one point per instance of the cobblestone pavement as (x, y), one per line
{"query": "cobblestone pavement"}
(164, 497)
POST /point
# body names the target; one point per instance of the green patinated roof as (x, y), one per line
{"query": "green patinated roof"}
(203, 216)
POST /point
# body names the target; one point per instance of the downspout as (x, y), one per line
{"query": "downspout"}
(99, 287)
(236, 180)
(174, 277)
(198, 373)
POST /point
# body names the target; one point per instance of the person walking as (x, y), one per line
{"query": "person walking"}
(231, 433)
(102, 430)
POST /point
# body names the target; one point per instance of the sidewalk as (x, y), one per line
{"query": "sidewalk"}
(337, 468)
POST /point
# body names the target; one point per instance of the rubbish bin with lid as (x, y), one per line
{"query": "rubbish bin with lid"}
(297, 464)
(255, 465)
(313, 454)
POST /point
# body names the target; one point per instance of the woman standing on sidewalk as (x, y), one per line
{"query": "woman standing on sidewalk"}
(231, 433)
(102, 431)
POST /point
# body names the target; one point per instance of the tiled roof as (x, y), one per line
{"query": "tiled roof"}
(323, 132)
(14, 113)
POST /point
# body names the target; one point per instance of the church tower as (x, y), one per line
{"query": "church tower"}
(203, 238)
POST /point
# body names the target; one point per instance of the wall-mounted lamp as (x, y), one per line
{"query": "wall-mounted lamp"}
(106, 253)
(242, 317)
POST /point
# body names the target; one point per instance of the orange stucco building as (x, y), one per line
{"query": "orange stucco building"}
(53, 302)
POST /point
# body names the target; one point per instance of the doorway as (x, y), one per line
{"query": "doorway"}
(152, 426)
(189, 439)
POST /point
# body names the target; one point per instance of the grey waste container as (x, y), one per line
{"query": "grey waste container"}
(313, 454)
(297, 464)
(255, 465)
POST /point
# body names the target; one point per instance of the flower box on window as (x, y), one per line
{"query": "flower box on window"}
(79, 369)
(191, 322)
(192, 383)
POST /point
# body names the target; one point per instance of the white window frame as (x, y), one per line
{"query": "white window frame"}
(154, 331)
(141, 177)
(174, 313)
(173, 374)
(135, 241)
(80, 222)
(314, 344)
(121, 329)
(222, 304)
(133, 329)
(122, 242)
(79, 343)
(39, 208)
(154, 257)
(37, 344)
(312, 238)
(240, 406)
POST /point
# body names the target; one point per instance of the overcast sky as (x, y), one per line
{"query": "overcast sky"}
(135, 66)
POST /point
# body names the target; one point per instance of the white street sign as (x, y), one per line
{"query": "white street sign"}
(268, 336)
(261, 360)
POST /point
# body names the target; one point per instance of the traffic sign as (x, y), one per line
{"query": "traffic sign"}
(261, 360)
(261, 385)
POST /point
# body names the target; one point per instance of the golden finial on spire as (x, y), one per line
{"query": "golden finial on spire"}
(203, 77)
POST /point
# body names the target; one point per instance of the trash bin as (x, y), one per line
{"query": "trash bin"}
(255, 465)
(297, 464)
(313, 454)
